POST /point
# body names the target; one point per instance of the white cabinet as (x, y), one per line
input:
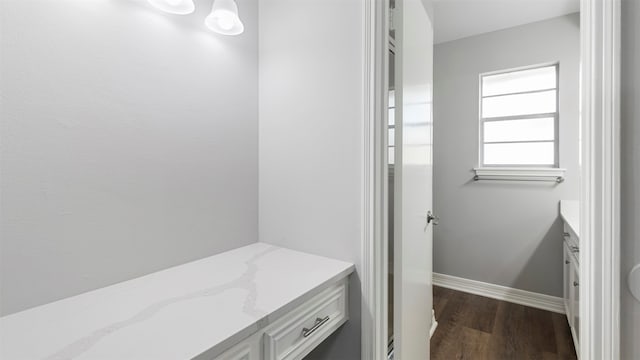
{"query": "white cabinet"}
(248, 349)
(300, 331)
(571, 249)
(294, 334)
(567, 280)
(230, 306)
(575, 304)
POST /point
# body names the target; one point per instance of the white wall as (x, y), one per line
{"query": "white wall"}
(310, 130)
(630, 167)
(503, 233)
(129, 143)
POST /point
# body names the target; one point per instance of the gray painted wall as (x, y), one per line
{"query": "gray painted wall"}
(504, 233)
(630, 167)
(310, 130)
(129, 143)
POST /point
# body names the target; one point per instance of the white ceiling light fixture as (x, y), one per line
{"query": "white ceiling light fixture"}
(179, 7)
(224, 18)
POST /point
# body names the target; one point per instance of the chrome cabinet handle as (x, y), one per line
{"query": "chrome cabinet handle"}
(432, 218)
(319, 322)
(566, 234)
(574, 249)
(575, 283)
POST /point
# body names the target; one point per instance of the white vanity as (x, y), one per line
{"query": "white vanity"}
(252, 303)
(570, 212)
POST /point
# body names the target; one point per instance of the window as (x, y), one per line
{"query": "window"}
(519, 118)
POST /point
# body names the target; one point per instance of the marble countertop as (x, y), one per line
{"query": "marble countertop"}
(205, 306)
(570, 212)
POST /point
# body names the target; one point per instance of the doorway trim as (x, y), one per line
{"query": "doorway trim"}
(599, 193)
(600, 180)
(374, 181)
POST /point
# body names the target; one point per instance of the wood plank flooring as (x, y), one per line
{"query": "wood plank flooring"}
(478, 328)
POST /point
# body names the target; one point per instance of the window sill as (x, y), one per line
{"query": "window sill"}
(519, 174)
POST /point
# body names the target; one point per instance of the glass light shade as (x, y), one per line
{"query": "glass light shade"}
(224, 18)
(180, 7)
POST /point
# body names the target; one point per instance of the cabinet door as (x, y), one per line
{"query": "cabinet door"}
(575, 306)
(568, 287)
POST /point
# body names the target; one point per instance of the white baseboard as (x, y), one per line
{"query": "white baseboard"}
(517, 296)
(434, 323)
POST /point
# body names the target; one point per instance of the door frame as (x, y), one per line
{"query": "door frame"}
(599, 193)
(600, 180)
(374, 257)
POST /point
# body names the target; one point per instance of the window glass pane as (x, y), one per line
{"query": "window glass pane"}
(419, 135)
(521, 104)
(519, 81)
(392, 139)
(519, 130)
(392, 116)
(540, 153)
(392, 154)
(392, 98)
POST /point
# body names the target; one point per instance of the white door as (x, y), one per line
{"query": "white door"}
(413, 181)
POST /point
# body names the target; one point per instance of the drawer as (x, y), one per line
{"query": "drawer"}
(570, 236)
(299, 332)
(248, 349)
(572, 243)
(573, 251)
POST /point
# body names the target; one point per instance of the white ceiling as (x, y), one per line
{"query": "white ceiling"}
(457, 19)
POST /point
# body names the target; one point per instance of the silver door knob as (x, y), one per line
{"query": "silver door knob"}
(432, 218)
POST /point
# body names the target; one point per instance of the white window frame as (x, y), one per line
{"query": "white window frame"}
(555, 115)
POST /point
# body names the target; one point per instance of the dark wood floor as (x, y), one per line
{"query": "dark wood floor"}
(475, 327)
